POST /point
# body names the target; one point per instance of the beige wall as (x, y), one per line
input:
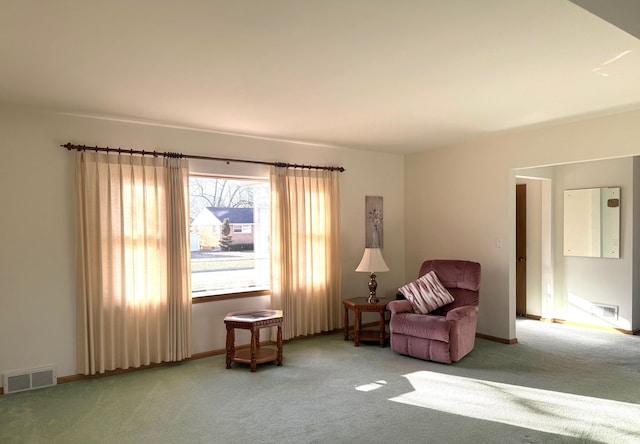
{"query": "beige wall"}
(460, 200)
(37, 262)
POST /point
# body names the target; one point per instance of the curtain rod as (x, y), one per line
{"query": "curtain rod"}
(70, 146)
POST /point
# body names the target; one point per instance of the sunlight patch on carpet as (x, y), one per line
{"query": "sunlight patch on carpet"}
(543, 410)
(372, 386)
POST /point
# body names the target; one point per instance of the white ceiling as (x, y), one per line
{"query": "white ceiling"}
(397, 76)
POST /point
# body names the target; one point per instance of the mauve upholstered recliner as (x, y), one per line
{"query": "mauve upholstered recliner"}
(448, 333)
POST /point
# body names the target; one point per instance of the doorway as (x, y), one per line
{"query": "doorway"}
(533, 249)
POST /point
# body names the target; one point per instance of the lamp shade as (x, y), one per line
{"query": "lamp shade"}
(372, 261)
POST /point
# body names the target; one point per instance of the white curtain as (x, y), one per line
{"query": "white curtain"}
(305, 250)
(133, 285)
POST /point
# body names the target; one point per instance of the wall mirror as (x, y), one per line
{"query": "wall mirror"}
(592, 222)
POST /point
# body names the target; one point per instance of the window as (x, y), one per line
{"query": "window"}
(229, 235)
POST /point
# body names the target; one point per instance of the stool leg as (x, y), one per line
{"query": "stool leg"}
(257, 339)
(279, 344)
(253, 349)
(230, 345)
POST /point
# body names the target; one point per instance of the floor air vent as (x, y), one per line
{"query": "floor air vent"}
(21, 380)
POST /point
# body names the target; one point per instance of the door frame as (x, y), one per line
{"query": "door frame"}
(540, 229)
(521, 249)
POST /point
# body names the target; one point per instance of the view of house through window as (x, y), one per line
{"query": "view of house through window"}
(229, 235)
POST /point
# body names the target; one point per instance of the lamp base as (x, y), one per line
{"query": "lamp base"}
(373, 299)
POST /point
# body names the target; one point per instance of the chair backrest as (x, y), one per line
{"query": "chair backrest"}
(461, 278)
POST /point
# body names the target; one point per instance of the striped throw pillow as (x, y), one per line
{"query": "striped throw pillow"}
(426, 293)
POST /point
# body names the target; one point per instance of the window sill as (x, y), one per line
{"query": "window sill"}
(226, 296)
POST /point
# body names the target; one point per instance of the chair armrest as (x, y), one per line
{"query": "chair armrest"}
(401, 306)
(462, 312)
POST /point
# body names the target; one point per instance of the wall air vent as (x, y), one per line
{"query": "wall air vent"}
(605, 311)
(21, 380)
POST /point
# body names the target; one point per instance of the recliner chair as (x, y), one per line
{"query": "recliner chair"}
(448, 333)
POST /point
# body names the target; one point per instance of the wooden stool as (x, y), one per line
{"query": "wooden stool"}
(253, 320)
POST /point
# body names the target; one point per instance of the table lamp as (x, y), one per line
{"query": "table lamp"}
(372, 262)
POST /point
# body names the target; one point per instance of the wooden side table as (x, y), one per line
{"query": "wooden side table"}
(358, 306)
(253, 320)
